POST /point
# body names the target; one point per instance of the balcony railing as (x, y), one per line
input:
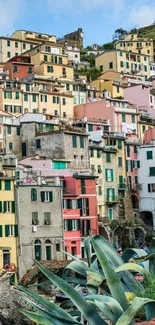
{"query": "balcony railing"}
(111, 200)
(121, 186)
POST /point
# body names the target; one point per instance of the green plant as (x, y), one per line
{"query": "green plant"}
(105, 268)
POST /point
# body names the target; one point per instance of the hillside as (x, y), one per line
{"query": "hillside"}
(147, 32)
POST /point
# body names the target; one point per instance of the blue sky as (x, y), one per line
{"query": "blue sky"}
(98, 18)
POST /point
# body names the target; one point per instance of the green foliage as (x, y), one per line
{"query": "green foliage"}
(103, 266)
(93, 74)
(126, 223)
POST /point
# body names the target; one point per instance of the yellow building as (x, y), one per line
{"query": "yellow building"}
(8, 223)
(49, 60)
(11, 47)
(34, 37)
(123, 61)
(114, 86)
(36, 97)
(107, 162)
(144, 125)
(134, 43)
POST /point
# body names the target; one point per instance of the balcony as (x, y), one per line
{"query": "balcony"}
(121, 187)
(112, 200)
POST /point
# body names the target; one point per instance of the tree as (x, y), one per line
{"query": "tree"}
(119, 32)
(92, 74)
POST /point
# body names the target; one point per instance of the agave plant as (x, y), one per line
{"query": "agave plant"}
(105, 266)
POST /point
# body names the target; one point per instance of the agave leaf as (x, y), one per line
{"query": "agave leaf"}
(50, 306)
(78, 267)
(94, 279)
(39, 284)
(91, 315)
(132, 267)
(38, 319)
(129, 252)
(106, 310)
(67, 304)
(152, 261)
(130, 313)
(113, 281)
(143, 258)
(116, 261)
(87, 246)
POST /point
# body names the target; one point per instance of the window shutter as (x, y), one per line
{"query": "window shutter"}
(81, 142)
(70, 224)
(4, 94)
(79, 225)
(1, 231)
(127, 165)
(138, 163)
(106, 175)
(107, 194)
(112, 175)
(149, 188)
(113, 194)
(80, 206)
(119, 144)
(6, 230)
(87, 207)
(42, 196)
(4, 206)
(45, 98)
(0, 206)
(13, 206)
(131, 164)
(51, 196)
(0, 185)
(16, 230)
(120, 179)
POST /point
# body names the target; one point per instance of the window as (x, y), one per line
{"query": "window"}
(108, 157)
(91, 152)
(123, 118)
(8, 54)
(60, 60)
(63, 71)
(67, 87)
(145, 58)
(33, 194)
(45, 58)
(46, 196)
(148, 51)
(121, 181)
(63, 101)
(110, 194)
(8, 129)
(16, 53)
(109, 175)
(9, 230)
(38, 144)
(27, 87)
(120, 162)
(121, 64)
(99, 169)
(90, 127)
(83, 187)
(48, 250)
(55, 112)
(133, 118)
(149, 155)
(74, 141)
(37, 250)
(117, 89)
(101, 68)
(35, 220)
(8, 43)
(44, 98)
(136, 179)
(128, 150)
(143, 128)
(30, 70)
(7, 207)
(24, 46)
(135, 149)
(110, 213)
(55, 100)
(34, 98)
(50, 68)
(81, 142)
(44, 110)
(31, 46)
(98, 154)
(7, 185)
(110, 65)
(127, 65)
(99, 190)
(145, 67)
(15, 68)
(25, 97)
(10, 146)
(119, 144)
(152, 171)
(151, 187)
(8, 94)
(16, 44)
(17, 95)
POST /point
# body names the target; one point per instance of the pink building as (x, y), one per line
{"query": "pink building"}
(79, 211)
(149, 136)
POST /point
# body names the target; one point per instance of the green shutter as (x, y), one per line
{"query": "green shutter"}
(112, 175)
(33, 194)
(6, 230)
(113, 194)
(42, 196)
(79, 225)
(10, 94)
(119, 144)
(110, 213)
(16, 230)
(127, 165)
(133, 118)
(108, 157)
(13, 206)
(120, 179)
(1, 207)
(4, 94)
(4, 206)
(106, 175)
(1, 231)
(70, 224)
(74, 141)
(7, 185)
(149, 187)
(81, 142)
(0, 184)
(149, 155)
(108, 194)
(51, 196)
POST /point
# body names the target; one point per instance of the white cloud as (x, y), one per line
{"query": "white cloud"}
(10, 12)
(142, 14)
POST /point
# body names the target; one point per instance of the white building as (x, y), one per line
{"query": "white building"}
(73, 53)
(152, 69)
(146, 180)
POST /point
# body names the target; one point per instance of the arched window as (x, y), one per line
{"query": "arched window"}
(37, 249)
(48, 250)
